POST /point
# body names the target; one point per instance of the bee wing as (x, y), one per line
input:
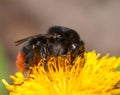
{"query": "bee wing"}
(18, 42)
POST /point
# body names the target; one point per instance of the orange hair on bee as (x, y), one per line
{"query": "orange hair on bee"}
(20, 62)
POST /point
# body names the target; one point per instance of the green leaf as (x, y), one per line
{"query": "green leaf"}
(3, 70)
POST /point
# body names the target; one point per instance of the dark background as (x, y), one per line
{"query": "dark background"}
(97, 22)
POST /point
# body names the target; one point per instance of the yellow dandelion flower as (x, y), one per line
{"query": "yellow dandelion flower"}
(92, 76)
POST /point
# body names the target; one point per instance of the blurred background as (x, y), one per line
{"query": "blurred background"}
(97, 22)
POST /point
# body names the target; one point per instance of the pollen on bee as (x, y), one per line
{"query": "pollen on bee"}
(20, 61)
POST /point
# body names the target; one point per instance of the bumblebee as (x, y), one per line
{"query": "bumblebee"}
(58, 41)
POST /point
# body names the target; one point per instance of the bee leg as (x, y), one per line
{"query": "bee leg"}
(29, 59)
(44, 56)
(78, 52)
(45, 64)
(81, 51)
